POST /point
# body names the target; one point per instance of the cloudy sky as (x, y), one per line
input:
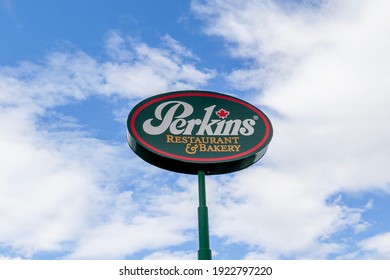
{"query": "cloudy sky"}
(71, 70)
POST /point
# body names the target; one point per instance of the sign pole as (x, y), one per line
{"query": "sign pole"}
(204, 252)
(171, 130)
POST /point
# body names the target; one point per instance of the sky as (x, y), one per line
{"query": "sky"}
(71, 71)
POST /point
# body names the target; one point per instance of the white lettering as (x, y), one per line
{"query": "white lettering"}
(205, 126)
(232, 127)
(168, 118)
(171, 115)
(247, 128)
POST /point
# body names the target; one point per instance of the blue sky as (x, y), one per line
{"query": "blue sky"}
(70, 72)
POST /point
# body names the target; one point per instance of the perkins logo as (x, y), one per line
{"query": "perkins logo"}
(176, 123)
(189, 131)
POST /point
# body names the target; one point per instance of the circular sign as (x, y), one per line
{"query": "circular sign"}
(191, 131)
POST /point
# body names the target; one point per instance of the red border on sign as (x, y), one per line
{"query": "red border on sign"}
(218, 96)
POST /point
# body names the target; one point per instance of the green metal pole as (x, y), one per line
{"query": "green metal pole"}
(204, 252)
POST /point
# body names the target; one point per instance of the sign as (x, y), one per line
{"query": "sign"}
(191, 131)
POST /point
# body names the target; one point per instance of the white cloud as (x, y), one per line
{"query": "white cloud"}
(376, 247)
(137, 71)
(65, 192)
(8, 258)
(167, 255)
(320, 72)
(45, 194)
(160, 220)
(279, 214)
(177, 47)
(151, 70)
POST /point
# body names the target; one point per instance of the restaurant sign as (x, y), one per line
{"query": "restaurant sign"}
(192, 131)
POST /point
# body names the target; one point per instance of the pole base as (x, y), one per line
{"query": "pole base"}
(204, 254)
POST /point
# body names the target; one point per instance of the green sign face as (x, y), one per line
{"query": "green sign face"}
(191, 131)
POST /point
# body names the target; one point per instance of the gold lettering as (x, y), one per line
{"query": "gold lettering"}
(177, 139)
(195, 144)
(202, 147)
(191, 149)
(170, 139)
(212, 140)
